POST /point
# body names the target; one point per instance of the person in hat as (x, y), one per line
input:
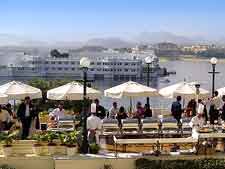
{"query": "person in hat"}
(94, 125)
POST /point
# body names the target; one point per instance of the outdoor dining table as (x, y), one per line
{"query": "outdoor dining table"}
(213, 135)
(153, 141)
(61, 129)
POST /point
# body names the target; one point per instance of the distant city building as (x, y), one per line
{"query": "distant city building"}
(167, 49)
(166, 46)
(197, 48)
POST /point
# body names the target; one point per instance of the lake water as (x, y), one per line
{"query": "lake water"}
(191, 71)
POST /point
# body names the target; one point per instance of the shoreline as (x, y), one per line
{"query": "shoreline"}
(189, 59)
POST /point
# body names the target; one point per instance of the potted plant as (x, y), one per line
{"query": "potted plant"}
(7, 139)
(38, 146)
(50, 137)
(62, 145)
(94, 148)
(71, 143)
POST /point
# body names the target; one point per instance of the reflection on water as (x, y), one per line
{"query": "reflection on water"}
(191, 71)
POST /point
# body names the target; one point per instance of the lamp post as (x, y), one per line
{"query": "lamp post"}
(197, 86)
(148, 61)
(84, 64)
(213, 61)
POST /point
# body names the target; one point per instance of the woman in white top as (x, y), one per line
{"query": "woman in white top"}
(113, 111)
(198, 121)
(58, 112)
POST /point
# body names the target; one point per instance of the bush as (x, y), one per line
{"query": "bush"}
(94, 148)
(70, 139)
(5, 166)
(39, 137)
(180, 164)
(8, 137)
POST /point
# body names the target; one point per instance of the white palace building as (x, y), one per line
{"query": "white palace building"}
(108, 64)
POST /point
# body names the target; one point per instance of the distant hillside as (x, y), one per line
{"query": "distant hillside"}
(157, 37)
(89, 49)
(109, 43)
(14, 40)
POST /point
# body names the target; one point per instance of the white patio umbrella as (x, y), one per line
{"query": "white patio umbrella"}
(72, 91)
(130, 89)
(184, 89)
(3, 98)
(18, 91)
(221, 91)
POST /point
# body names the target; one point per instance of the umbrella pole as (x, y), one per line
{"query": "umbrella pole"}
(130, 105)
(14, 105)
(183, 102)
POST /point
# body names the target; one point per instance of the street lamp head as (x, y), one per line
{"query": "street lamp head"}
(84, 62)
(197, 85)
(148, 60)
(213, 61)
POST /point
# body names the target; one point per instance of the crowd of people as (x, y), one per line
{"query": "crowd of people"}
(201, 112)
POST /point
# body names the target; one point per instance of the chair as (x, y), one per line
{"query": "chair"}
(128, 124)
(185, 124)
(150, 123)
(109, 125)
(169, 123)
(66, 122)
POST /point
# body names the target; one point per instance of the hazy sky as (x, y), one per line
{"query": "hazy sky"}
(81, 19)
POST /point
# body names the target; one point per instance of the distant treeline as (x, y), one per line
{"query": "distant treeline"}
(55, 53)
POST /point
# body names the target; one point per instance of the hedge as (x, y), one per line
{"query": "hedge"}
(180, 164)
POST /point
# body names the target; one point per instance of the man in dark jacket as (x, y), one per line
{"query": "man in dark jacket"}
(100, 110)
(176, 109)
(223, 108)
(25, 114)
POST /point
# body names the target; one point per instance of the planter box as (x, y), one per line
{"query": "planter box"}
(24, 147)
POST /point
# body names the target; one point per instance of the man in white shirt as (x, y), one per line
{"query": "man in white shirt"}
(94, 125)
(113, 111)
(215, 106)
(58, 112)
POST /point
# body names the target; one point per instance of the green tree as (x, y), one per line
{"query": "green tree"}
(44, 103)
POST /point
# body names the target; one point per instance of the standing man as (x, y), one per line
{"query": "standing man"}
(25, 114)
(100, 110)
(176, 109)
(223, 108)
(215, 107)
